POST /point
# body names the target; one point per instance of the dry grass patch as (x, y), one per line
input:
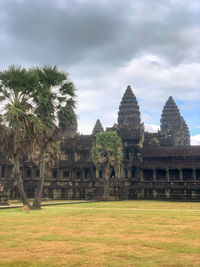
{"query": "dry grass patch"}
(128, 233)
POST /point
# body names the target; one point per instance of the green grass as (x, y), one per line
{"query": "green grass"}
(126, 233)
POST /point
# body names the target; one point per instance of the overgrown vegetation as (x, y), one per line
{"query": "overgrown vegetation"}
(106, 153)
(126, 233)
(32, 101)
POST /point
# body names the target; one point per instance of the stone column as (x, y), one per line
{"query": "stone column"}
(60, 173)
(180, 174)
(31, 172)
(73, 173)
(97, 173)
(167, 174)
(82, 174)
(122, 172)
(129, 173)
(167, 193)
(142, 192)
(154, 174)
(92, 173)
(117, 172)
(6, 172)
(194, 174)
(141, 175)
(155, 193)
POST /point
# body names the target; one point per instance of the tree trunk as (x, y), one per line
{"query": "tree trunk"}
(20, 186)
(40, 185)
(106, 182)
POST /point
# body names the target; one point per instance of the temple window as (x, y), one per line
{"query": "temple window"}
(28, 173)
(78, 174)
(65, 174)
(54, 174)
(37, 173)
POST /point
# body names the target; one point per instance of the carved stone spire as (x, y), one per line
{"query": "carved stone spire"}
(186, 133)
(68, 128)
(97, 127)
(170, 119)
(129, 111)
(173, 126)
(71, 129)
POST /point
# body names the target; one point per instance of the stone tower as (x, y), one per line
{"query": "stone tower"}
(131, 130)
(69, 129)
(174, 130)
(186, 133)
(72, 130)
(129, 112)
(97, 127)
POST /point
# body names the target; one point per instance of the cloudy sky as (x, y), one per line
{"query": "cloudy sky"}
(105, 45)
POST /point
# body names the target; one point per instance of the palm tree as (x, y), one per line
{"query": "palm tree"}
(31, 102)
(53, 98)
(18, 123)
(107, 152)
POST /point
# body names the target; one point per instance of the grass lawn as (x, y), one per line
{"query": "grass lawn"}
(126, 233)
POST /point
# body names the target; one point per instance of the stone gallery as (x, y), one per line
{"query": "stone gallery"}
(160, 165)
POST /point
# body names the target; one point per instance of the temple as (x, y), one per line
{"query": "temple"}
(161, 165)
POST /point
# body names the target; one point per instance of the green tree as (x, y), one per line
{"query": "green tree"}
(18, 122)
(107, 152)
(31, 101)
(53, 97)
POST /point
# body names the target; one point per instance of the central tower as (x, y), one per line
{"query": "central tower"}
(129, 120)
(131, 130)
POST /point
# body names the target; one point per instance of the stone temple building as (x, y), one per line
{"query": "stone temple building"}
(160, 165)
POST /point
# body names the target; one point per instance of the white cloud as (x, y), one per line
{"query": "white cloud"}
(152, 128)
(195, 140)
(85, 127)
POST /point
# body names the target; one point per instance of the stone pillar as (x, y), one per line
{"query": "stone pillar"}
(122, 171)
(117, 172)
(141, 175)
(60, 173)
(185, 193)
(97, 173)
(142, 193)
(129, 173)
(31, 168)
(73, 173)
(167, 193)
(167, 174)
(82, 174)
(180, 174)
(155, 193)
(7, 174)
(154, 175)
(194, 174)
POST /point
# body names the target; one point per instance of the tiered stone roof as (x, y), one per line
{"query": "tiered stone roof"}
(186, 133)
(170, 119)
(97, 127)
(173, 125)
(129, 111)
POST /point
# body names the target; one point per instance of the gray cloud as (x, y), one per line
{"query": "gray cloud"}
(107, 44)
(110, 32)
